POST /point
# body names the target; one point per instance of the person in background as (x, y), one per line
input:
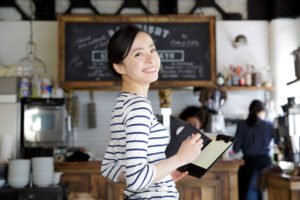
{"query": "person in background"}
(253, 137)
(193, 115)
(136, 150)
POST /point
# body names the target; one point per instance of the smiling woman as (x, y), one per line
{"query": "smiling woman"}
(136, 151)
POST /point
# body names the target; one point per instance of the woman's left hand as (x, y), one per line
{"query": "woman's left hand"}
(177, 175)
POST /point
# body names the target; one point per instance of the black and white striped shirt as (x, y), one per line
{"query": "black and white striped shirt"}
(137, 141)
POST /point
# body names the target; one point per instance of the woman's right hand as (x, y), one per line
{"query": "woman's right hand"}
(190, 149)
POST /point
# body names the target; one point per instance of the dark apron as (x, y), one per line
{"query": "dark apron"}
(246, 171)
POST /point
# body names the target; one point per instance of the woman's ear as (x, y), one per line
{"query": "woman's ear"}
(119, 68)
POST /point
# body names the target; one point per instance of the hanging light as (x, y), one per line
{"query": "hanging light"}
(240, 40)
(30, 65)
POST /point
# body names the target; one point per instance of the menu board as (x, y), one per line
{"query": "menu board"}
(185, 44)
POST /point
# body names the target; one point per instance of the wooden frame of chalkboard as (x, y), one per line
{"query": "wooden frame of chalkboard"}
(185, 43)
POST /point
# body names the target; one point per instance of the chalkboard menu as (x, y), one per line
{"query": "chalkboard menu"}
(185, 43)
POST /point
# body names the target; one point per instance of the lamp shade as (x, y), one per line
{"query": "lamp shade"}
(240, 40)
(30, 65)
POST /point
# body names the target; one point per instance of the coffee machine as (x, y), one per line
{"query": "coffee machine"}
(213, 99)
(287, 130)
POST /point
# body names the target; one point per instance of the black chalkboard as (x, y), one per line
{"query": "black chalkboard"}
(186, 49)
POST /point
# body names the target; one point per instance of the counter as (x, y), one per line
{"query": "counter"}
(219, 183)
(83, 177)
(283, 187)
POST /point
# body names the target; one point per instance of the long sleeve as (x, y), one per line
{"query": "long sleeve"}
(238, 142)
(139, 173)
(110, 167)
(137, 142)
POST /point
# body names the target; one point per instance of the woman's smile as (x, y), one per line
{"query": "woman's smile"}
(150, 69)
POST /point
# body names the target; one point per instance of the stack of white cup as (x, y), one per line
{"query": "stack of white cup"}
(6, 147)
(18, 173)
(42, 171)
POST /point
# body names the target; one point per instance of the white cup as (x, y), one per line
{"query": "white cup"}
(42, 164)
(56, 178)
(18, 173)
(6, 147)
(42, 179)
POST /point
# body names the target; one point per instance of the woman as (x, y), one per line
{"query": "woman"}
(253, 137)
(193, 115)
(136, 151)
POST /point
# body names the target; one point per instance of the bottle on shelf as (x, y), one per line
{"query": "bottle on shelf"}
(35, 87)
(220, 79)
(46, 88)
(256, 77)
(248, 76)
(235, 78)
(242, 80)
(266, 76)
(228, 76)
(24, 87)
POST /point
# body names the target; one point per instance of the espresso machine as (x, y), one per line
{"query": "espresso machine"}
(213, 99)
(287, 131)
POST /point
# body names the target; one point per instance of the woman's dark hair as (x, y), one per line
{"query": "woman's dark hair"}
(120, 45)
(255, 107)
(193, 111)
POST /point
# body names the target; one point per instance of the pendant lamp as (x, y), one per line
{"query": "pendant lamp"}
(30, 65)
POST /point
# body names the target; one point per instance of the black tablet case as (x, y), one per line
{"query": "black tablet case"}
(179, 131)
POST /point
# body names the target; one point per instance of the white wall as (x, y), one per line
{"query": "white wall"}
(284, 39)
(261, 51)
(255, 53)
(14, 36)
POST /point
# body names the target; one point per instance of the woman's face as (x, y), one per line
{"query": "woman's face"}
(194, 121)
(261, 114)
(142, 63)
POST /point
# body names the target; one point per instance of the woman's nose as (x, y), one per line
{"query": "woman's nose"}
(150, 57)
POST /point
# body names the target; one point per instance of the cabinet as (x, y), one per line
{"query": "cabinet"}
(83, 177)
(281, 186)
(55, 192)
(219, 183)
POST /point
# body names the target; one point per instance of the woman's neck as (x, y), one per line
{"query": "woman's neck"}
(135, 88)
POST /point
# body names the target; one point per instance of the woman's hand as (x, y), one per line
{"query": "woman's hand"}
(177, 175)
(121, 177)
(190, 149)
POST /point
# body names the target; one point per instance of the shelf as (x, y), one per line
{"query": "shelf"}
(248, 88)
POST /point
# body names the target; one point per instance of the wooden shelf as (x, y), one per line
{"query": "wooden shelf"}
(234, 88)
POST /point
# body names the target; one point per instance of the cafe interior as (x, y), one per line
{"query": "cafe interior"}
(57, 93)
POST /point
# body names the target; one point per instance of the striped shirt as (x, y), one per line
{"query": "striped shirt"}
(137, 141)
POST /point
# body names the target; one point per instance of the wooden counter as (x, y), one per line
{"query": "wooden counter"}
(219, 183)
(83, 177)
(283, 187)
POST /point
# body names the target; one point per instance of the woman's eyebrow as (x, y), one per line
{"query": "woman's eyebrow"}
(137, 49)
(151, 45)
(141, 48)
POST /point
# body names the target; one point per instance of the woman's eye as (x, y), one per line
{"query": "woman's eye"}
(138, 54)
(153, 50)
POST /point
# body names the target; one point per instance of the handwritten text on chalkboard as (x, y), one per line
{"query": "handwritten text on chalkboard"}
(184, 49)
